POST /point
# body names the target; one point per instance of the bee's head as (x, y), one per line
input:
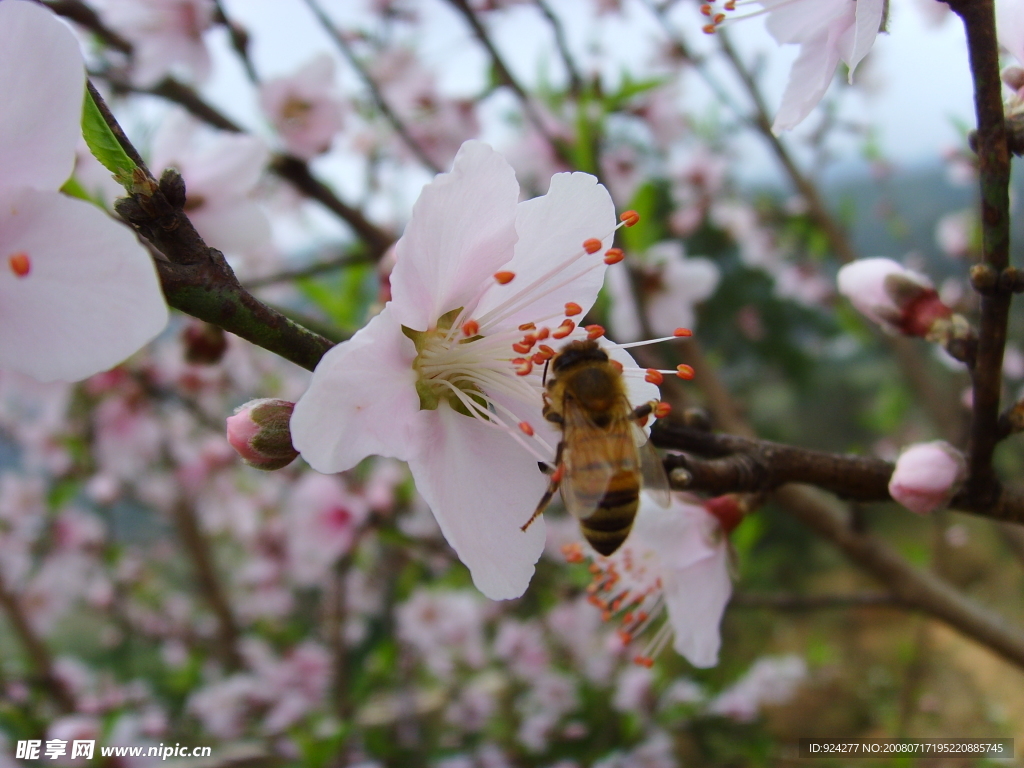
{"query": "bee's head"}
(576, 352)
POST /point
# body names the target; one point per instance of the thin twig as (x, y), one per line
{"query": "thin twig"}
(210, 588)
(35, 647)
(507, 78)
(371, 86)
(562, 43)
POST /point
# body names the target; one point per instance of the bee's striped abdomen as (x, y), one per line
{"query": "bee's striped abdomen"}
(612, 520)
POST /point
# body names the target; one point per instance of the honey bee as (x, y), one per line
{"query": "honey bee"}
(603, 454)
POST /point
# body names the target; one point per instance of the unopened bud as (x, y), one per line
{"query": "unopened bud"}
(927, 475)
(205, 344)
(260, 432)
(728, 509)
(898, 299)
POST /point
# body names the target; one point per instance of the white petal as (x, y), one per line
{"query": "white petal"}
(809, 78)
(865, 30)
(624, 317)
(552, 228)
(482, 487)
(696, 598)
(798, 22)
(42, 84)
(236, 226)
(361, 400)
(91, 297)
(461, 232)
(695, 574)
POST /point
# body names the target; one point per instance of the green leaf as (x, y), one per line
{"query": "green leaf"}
(103, 144)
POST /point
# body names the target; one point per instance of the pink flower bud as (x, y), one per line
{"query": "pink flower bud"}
(728, 509)
(927, 475)
(898, 299)
(260, 432)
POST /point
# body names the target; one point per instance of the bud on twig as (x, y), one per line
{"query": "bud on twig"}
(260, 432)
(927, 475)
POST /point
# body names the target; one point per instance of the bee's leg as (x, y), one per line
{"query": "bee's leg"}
(641, 412)
(556, 478)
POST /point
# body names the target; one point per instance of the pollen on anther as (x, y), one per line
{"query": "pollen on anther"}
(684, 371)
(522, 347)
(654, 377)
(470, 328)
(564, 329)
(592, 245)
(522, 365)
(543, 333)
(613, 256)
(504, 277)
(527, 327)
(525, 428)
(682, 333)
(594, 332)
(629, 218)
(20, 264)
(572, 309)
(661, 410)
(546, 351)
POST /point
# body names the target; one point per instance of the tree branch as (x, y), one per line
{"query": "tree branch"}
(994, 177)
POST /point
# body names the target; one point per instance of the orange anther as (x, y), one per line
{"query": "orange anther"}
(557, 476)
(706, 9)
(564, 329)
(527, 327)
(682, 333)
(654, 377)
(684, 372)
(572, 309)
(613, 256)
(543, 333)
(504, 277)
(525, 428)
(617, 364)
(594, 332)
(644, 661)
(20, 264)
(539, 359)
(523, 366)
(730, 5)
(708, 29)
(661, 410)
(719, 18)
(592, 245)
(522, 347)
(470, 328)
(545, 350)
(629, 218)
(625, 637)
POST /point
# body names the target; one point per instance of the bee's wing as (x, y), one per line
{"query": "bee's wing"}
(655, 481)
(592, 456)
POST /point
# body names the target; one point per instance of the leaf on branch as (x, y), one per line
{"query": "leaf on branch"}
(103, 144)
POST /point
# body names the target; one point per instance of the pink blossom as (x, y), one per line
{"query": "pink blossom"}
(673, 285)
(771, 680)
(64, 315)
(304, 107)
(675, 561)
(167, 36)
(438, 379)
(897, 298)
(926, 476)
(445, 628)
(955, 231)
(827, 31)
(322, 520)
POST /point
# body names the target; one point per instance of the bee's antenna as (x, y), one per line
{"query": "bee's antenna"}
(544, 378)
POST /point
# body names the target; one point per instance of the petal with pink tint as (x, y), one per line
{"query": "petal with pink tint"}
(41, 92)
(808, 80)
(461, 232)
(552, 228)
(482, 487)
(865, 30)
(361, 400)
(90, 297)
